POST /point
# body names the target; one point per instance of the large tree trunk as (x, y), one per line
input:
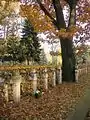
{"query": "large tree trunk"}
(68, 60)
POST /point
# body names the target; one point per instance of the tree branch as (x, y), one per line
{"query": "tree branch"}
(59, 14)
(72, 17)
(46, 12)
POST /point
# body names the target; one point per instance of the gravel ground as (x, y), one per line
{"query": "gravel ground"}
(54, 104)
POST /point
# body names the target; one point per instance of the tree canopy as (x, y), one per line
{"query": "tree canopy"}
(48, 15)
(43, 18)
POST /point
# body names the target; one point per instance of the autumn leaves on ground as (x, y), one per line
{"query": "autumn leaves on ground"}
(54, 104)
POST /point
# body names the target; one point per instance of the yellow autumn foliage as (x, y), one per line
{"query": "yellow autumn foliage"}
(43, 23)
(39, 20)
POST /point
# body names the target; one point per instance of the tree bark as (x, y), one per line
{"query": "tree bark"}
(68, 60)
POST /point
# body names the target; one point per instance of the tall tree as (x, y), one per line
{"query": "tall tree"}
(52, 15)
(30, 43)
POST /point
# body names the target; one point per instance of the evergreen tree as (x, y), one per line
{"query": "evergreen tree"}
(30, 43)
(14, 51)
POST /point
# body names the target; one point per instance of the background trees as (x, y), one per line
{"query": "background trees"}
(14, 50)
(2, 50)
(7, 7)
(30, 43)
(17, 48)
(25, 48)
(43, 59)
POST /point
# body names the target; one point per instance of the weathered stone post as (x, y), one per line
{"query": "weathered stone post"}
(46, 79)
(23, 84)
(60, 81)
(16, 78)
(6, 92)
(86, 70)
(34, 81)
(59, 75)
(54, 77)
(80, 72)
(77, 74)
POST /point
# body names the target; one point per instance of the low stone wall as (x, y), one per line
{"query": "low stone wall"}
(30, 79)
(27, 80)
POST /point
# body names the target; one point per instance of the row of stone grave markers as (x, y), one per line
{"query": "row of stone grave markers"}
(17, 80)
(79, 72)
